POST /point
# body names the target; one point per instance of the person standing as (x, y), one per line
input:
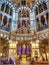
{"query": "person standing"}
(12, 61)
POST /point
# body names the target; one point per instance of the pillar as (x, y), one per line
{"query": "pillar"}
(9, 10)
(35, 24)
(45, 20)
(4, 7)
(20, 22)
(7, 21)
(26, 23)
(0, 7)
(2, 20)
(21, 18)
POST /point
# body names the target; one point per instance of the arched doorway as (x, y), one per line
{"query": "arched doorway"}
(24, 51)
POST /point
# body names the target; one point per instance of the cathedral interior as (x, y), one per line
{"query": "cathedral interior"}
(24, 31)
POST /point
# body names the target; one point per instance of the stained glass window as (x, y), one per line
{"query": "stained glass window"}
(19, 49)
(23, 49)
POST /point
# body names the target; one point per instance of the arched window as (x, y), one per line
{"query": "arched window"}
(7, 9)
(3, 27)
(2, 7)
(5, 20)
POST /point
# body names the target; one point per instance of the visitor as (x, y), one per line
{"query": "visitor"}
(32, 61)
(12, 61)
(3, 60)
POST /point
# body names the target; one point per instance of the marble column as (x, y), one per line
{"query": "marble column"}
(0, 7)
(2, 20)
(9, 11)
(26, 23)
(21, 22)
(21, 18)
(45, 20)
(4, 7)
(35, 24)
(7, 21)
